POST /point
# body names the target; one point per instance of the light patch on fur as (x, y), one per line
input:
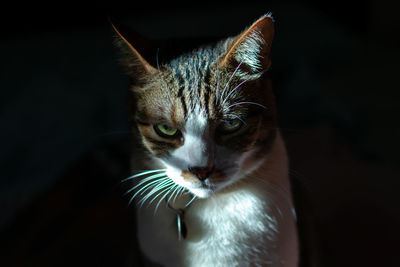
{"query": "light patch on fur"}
(249, 51)
(238, 230)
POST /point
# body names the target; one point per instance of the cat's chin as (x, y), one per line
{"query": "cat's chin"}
(202, 192)
(208, 190)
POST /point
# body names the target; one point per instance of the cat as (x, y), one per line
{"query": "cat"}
(215, 190)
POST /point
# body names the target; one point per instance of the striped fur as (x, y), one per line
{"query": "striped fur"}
(196, 81)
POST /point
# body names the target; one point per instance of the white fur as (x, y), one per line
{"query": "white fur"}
(249, 223)
(194, 152)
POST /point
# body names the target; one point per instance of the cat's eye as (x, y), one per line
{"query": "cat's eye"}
(166, 131)
(230, 126)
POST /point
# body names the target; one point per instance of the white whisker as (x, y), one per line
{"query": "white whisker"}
(177, 192)
(142, 190)
(141, 174)
(154, 190)
(152, 185)
(146, 187)
(145, 180)
(161, 191)
(233, 74)
(182, 191)
(164, 196)
(239, 118)
(247, 102)
(176, 187)
(233, 90)
(217, 92)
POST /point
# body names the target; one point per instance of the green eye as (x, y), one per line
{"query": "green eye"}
(230, 126)
(165, 130)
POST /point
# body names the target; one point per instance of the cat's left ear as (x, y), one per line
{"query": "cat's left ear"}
(252, 48)
(134, 57)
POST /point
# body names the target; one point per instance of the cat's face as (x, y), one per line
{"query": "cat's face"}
(208, 116)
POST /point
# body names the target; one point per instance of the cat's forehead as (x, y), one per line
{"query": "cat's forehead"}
(188, 80)
(192, 67)
(196, 83)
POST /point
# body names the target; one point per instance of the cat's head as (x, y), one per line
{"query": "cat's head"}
(207, 116)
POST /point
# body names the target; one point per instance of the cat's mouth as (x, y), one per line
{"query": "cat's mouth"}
(205, 188)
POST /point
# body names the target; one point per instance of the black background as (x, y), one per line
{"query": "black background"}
(64, 142)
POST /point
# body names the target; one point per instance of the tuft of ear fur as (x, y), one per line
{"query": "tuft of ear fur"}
(252, 48)
(134, 63)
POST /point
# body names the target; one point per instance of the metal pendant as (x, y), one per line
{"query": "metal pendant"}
(180, 223)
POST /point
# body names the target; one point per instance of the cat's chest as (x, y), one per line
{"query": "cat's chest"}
(213, 225)
(237, 215)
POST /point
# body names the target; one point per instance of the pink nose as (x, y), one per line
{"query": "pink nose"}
(202, 172)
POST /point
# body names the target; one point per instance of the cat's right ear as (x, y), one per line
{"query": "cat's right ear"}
(251, 49)
(132, 60)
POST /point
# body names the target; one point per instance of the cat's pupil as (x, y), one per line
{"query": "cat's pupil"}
(231, 123)
(166, 128)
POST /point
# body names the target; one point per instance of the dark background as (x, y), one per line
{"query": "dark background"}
(64, 145)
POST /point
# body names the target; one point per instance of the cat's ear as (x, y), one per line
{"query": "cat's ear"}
(132, 60)
(252, 48)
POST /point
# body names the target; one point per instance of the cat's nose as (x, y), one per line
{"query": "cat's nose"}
(202, 172)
